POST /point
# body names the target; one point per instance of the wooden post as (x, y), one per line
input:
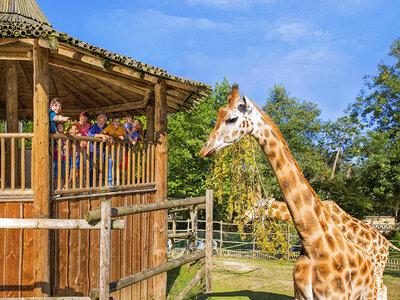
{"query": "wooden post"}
(209, 238)
(174, 232)
(12, 116)
(160, 227)
(41, 166)
(220, 235)
(105, 249)
(150, 121)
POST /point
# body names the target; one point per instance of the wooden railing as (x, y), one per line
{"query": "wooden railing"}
(86, 164)
(15, 161)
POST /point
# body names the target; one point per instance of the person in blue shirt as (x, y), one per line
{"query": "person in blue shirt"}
(95, 131)
(54, 110)
(136, 133)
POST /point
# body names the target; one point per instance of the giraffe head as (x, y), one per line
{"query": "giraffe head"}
(233, 123)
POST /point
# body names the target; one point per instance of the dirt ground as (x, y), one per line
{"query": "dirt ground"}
(236, 278)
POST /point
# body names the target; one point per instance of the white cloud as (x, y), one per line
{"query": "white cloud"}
(296, 31)
(164, 22)
(229, 4)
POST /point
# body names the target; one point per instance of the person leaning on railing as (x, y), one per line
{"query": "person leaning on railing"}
(114, 130)
(95, 131)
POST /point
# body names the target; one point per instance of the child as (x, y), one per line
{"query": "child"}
(128, 124)
(73, 131)
(59, 129)
(55, 109)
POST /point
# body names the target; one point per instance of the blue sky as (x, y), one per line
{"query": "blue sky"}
(319, 50)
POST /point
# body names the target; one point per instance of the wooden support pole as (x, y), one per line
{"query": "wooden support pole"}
(41, 166)
(160, 227)
(150, 121)
(105, 249)
(209, 238)
(12, 116)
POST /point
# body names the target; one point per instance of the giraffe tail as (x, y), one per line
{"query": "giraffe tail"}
(393, 247)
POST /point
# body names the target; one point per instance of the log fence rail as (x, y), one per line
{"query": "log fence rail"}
(105, 224)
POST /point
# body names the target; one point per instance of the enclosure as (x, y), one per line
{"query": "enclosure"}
(37, 64)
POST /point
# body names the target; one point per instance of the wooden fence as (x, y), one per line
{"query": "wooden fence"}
(103, 220)
(229, 242)
(79, 164)
(15, 158)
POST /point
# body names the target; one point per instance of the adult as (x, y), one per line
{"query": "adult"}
(95, 131)
(82, 124)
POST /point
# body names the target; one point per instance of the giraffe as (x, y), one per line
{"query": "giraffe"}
(330, 265)
(362, 234)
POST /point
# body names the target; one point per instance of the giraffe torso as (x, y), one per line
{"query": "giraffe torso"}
(362, 234)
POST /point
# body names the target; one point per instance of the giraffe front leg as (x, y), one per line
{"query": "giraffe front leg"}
(302, 279)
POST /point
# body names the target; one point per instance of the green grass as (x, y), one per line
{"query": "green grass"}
(240, 278)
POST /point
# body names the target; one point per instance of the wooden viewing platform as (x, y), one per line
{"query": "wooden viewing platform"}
(37, 64)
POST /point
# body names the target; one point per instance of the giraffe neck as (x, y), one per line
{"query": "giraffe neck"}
(304, 205)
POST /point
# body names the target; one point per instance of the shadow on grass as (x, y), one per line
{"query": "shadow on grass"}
(172, 276)
(392, 273)
(246, 293)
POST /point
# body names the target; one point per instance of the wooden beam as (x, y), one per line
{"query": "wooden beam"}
(106, 75)
(74, 89)
(12, 119)
(41, 167)
(14, 56)
(77, 99)
(115, 93)
(160, 229)
(150, 121)
(28, 76)
(99, 95)
(100, 62)
(54, 87)
(2, 77)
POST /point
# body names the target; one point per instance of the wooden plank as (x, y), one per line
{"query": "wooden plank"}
(125, 250)
(3, 276)
(41, 165)
(73, 248)
(108, 76)
(71, 77)
(12, 118)
(94, 247)
(144, 246)
(105, 250)
(115, 258)
(150, 290)
(136, 249)
(29, 254)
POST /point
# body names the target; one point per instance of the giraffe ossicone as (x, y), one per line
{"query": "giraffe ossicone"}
(330, 265)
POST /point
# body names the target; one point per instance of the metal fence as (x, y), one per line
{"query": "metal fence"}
(229, 242)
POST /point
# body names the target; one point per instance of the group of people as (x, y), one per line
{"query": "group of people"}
(131, 130)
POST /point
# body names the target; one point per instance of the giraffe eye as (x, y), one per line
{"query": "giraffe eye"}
(242, 108)
(231, 120)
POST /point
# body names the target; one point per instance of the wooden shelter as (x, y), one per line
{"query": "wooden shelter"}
(37, 64)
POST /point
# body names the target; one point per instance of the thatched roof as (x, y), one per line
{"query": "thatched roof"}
(82, 75)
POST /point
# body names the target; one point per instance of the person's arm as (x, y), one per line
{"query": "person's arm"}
(60, 118)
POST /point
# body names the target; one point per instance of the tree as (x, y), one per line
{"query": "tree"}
(187, 132)
(377, 112)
